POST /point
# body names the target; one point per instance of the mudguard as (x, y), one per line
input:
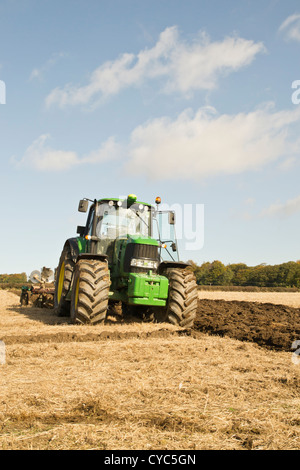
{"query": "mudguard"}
(172, 264)
(75, 255)
(74, 250)
(92, 256)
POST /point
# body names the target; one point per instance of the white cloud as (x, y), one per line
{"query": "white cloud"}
(184, 67)
(291, 27)
(38, 72)
(250, 201)
(196, 146)
(287, 164)
(200, 65)
(193, 146)
(41, 157)
(286, 209)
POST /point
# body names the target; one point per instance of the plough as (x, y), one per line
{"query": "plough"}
(41, 292)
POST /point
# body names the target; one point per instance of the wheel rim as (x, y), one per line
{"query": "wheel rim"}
(61, 282)
(76, 294)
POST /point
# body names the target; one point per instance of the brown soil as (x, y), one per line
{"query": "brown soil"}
(266, 324)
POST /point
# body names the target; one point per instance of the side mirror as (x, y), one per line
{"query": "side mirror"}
(83, 205)
(172, 218)
(174, 247)
(80, 230)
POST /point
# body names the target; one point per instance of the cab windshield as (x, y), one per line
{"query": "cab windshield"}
(118, 221)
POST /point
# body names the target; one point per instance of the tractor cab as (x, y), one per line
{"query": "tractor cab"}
(112, 220)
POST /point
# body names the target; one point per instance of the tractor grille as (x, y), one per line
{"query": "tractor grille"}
(135, 250)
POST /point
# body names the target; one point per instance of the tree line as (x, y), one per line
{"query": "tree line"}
(217, 274)
(13, 278)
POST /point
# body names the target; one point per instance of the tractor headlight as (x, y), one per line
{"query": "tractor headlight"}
(144, 263)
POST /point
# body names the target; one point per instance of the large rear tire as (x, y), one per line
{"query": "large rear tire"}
(90, 292)
(182, 301)
(63, 282)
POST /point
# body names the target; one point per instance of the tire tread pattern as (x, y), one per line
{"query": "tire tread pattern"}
(183, 297)
(63, 306)
(93, 294)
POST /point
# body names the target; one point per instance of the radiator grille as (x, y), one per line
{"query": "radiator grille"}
(135, 250)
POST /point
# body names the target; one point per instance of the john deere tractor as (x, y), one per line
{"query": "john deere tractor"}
(125, 259)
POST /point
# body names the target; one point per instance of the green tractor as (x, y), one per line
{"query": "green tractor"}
(121, 262)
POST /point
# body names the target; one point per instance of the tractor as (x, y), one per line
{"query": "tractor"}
(125, 260)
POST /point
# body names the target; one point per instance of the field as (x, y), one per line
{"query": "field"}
(230, 383)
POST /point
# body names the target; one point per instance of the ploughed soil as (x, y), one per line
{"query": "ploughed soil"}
(266, 324)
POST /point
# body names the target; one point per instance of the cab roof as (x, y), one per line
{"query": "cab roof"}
(105, 199)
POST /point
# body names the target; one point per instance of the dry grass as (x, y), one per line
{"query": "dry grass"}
(151, 393)
(279, 298)
(24, 321)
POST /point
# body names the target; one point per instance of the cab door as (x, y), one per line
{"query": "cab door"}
(164, 232)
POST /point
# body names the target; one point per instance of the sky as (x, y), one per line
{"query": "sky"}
(195, 101)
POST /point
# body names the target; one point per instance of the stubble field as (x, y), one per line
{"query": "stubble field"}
(230, 383)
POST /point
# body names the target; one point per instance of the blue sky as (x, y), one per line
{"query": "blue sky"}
(190, 100)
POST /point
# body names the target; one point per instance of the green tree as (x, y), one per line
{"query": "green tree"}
(201, 273)
(219, 274)
(240, 274)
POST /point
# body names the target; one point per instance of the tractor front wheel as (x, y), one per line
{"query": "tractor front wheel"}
(90, 292)
(182, 301)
